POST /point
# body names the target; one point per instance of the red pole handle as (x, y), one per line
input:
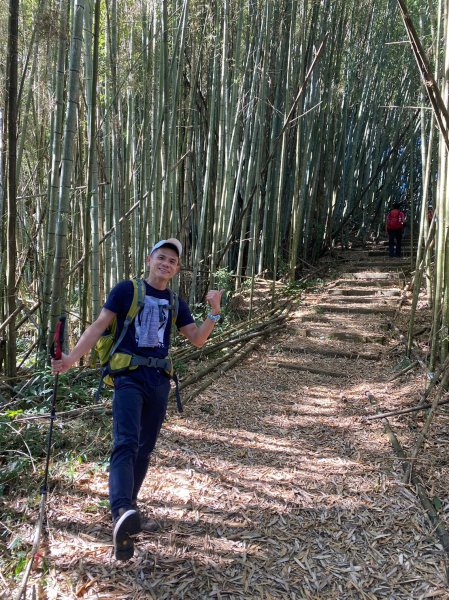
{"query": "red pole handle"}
(58, 339)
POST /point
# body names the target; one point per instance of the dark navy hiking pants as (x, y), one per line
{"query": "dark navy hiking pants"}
(395, 242)
(138, 410)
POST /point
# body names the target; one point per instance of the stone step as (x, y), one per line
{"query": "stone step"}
(329, 351)
(385, 269)
(327, 323)
(343, 335)
(371, 275)
(371, 283)
(365, 299)
(315, 318)
(380, 243)
(364, 291)
(390, 262)
(338, 308)
(384, 252)
(309, 369)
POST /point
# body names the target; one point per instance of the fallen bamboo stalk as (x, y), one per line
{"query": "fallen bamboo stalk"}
(401, 337)
(258, 320)
(28, 314)
(240, 356)
(426, 427)
(405, 370)
(434, 380)
(27, 353)
(238, 336)
(11, 316)
(403, 411)
(75, 412)
(243, 339)
(295, 367)
(439, 529)
(189, 354)
(209, 349)
(207, 369)
(19, 308)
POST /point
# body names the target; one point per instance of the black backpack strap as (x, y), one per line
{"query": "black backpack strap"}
(160, 363)
(174, 306)
(178, 397)
(140, 293)
(150, 361)
(100, 385)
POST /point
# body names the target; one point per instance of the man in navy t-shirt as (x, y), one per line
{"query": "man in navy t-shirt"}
(140, 395)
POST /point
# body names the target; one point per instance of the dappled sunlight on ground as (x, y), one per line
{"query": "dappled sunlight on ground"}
(272, 485)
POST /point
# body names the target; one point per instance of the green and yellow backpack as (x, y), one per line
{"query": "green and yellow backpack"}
(106, 351)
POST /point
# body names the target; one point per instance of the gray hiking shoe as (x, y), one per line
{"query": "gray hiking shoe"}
(125, 525)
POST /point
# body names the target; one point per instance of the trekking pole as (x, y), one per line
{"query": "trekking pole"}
(56, 352)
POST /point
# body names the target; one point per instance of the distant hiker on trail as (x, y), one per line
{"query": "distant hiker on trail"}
(141, 392)
(394, 227)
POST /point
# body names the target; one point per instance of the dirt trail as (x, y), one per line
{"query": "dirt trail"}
(272, 485)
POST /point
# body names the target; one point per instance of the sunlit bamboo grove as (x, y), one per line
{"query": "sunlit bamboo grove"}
(260, 133)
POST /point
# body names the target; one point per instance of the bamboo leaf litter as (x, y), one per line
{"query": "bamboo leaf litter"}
(270, 486)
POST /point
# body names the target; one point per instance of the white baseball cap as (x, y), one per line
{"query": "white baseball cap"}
(169, 242)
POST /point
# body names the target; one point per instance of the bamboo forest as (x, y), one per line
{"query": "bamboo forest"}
(272, 139)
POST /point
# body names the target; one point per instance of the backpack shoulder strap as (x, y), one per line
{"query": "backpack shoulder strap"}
(138, 299)
(136, 304)
(174, 306)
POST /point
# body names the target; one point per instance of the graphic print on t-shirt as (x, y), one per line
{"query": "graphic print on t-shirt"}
(151, 323)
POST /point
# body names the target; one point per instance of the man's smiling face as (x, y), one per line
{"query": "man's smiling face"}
(163, 263)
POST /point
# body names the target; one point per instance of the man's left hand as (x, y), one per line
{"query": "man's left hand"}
(213, 298)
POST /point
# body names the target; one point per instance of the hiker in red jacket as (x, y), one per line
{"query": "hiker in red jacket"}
(394, 226)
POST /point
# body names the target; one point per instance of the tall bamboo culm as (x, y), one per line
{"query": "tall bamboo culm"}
(260, 133)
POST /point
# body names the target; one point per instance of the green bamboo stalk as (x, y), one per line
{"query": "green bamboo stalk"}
(118, 263)
(92, 180)
(176, 69)
(444, 182)
(11, 248)
(205, 201)
(53, 189)
(109, 273)
(58, 294)
(422, 250)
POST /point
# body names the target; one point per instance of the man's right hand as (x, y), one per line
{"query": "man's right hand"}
(86, 342)
(60, 366)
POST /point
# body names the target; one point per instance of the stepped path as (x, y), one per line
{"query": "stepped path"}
(272, 484)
